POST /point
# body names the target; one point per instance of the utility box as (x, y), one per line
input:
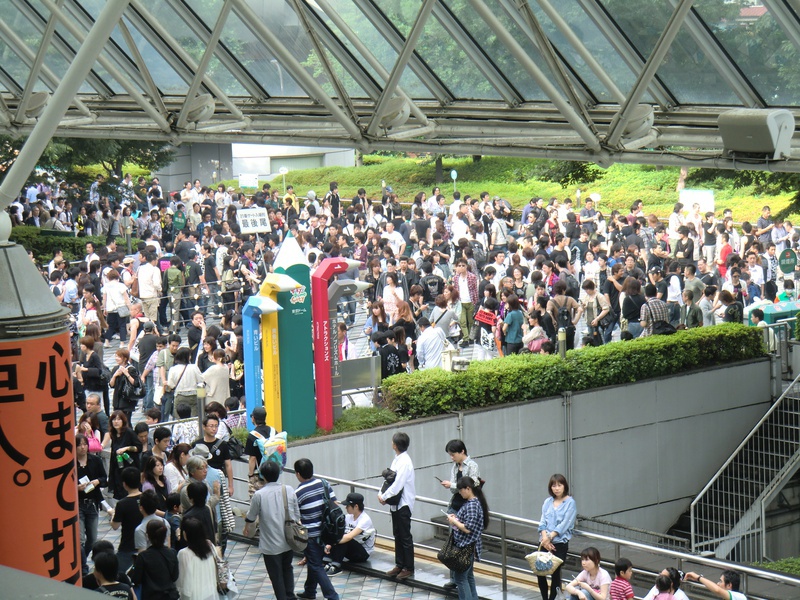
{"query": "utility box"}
(778, 311)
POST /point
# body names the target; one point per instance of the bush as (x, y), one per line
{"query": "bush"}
(74, 248)
(364, 417)
(790, 566)
(529, 376)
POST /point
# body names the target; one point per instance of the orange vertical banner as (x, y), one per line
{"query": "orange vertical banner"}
(37, 458)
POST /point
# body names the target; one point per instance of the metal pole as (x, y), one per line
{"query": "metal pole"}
(662, 46)
(562, 342)
(57, 107)
(400, 65)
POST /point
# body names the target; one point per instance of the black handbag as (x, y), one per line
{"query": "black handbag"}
(455, 558)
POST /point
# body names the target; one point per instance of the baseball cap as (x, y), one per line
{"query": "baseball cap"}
(353, 498)
(149, 326)
(389, 189)
(655, 269)
(311, 195)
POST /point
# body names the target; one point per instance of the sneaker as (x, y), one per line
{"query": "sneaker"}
(449, 585)
(306, 596)
(333, 570)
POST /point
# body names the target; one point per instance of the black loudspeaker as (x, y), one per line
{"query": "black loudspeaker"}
(757, 132)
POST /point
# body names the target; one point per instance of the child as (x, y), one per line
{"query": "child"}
(620, 588)
(591, 579)
(173, 517)
(664, 587)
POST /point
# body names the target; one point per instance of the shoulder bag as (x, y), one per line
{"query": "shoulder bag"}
(169, 389)
(225, 580)
(455, 558)
(296, 534)
(660, 327)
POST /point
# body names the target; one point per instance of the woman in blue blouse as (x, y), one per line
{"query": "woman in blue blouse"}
(555, 529)
(471, 519)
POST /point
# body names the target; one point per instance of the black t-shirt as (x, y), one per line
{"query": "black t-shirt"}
(709, 234)
(147, 345)
(557, 255)
(251, 447)
(432, 285)
(210, 263)
(116, 590)
(390, 361)
(192, 273)
(613, 295)
(661, 287)
(126, 512)
(218, 455)
(195, 337)
(733, 313)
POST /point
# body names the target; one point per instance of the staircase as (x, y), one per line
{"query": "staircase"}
(727, 517)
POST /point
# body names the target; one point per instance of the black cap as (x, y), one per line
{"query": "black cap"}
(353, 498)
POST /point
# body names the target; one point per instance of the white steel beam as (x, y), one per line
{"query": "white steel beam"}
(106, 63)
(400, 64)
(202, 67)
(587, 57)
(630, 55)
(461, 36)
(419, 67)
(39, 21)
(533, 29)
(21, 49)
(225, 56)
(150, 84)
(552, 93)
(717, 56)
(321, 50)
(787, 20)
(660, 50)
(367, 54)
(291, 64)
(36, 67)
(57, 107)
(173, 47)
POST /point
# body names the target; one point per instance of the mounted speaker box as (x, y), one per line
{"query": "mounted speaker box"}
(757, 133)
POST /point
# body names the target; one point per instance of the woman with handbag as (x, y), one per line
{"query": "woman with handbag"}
(156, 568)
(468, 524)
(126, 383)
(197, 579)
(117, 307)
(555, 529)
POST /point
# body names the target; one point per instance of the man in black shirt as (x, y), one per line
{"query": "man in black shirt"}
(259, 418)
(220, 456)
(128, 516)
(194, 280)
(612, 288)
(211, 276)
(196, 333)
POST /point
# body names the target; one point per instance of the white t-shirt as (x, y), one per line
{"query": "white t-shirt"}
(602, 578)
(367, 536)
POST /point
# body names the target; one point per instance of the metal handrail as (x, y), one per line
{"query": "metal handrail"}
(738, 449)
(505, 519)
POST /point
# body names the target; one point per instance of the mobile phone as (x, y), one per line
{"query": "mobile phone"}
(444, 512)
(437, 479)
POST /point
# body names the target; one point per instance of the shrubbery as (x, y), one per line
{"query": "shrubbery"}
(528, 376)
(74, 248)
(790, 566)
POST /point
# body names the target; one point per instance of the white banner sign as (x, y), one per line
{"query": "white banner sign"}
(248, 180)
(253, 220)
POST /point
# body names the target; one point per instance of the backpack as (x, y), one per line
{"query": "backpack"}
(478, 253)
(272, 448)
(333, 521)
(135, 286)
(573, 287)
(564, 315)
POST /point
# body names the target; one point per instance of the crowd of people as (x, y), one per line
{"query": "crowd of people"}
(444, 272)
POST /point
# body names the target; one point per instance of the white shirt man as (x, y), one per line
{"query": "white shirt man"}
(430, 345)
(395, 239)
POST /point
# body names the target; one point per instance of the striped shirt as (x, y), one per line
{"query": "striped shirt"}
(620, 589)
(311, 498)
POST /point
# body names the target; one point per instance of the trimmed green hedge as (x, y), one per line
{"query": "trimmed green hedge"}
(74, 248)
(528, 376)
(790, 566)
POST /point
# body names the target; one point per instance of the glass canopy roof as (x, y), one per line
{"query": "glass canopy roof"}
(597, 80)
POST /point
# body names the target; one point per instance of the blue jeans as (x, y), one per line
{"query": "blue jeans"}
(87, 512)
(609, 331)
(150, 391)
(465, 583)
(635, 328)
(315, 572)
(167, 399)
(585, 595)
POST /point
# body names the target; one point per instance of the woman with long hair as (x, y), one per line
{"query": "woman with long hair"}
(153, 479)
(125, 449)
(124, 378)
(90, 368)
(468, 524)
(555, 529)
(376, 321)
(175, 470)
(392, 297)
(89, 426)
(156, 568)
(197, 579)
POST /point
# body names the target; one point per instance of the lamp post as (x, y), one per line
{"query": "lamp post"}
(201, 406)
